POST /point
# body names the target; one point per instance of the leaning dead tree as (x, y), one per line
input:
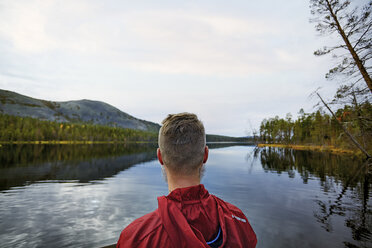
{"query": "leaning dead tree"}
(354, 28)
(356, 143)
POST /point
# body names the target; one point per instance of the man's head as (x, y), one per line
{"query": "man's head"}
(182, 144)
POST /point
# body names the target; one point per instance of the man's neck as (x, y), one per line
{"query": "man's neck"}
(175, 182)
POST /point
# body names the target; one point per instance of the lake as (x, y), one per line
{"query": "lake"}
(84, 195)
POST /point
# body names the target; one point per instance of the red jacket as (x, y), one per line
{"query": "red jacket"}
(189, 217)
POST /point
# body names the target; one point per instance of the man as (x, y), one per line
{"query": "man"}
(189, 216)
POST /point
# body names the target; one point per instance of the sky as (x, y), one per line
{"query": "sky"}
(233, 63)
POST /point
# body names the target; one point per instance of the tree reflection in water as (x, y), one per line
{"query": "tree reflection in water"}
(24, 164)
(345, 180)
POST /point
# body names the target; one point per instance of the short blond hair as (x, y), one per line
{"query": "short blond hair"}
(182, 141)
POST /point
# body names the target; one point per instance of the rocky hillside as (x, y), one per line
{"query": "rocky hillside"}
(81, 111)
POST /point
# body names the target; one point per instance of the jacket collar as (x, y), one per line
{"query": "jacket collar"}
(188, 194)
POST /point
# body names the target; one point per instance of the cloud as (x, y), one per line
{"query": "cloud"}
(163, 41)
(183, 42)
(24, 25)
(43, 26)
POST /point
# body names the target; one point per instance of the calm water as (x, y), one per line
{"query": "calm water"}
(83, 196)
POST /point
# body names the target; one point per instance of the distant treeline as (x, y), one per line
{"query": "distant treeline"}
(320, 128)
(15, 128)
(27, 129)
(220, 138)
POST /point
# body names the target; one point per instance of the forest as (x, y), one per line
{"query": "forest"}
(27, 129)
(15, 129)
(319, 128)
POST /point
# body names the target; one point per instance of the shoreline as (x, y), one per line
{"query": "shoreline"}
(324, 148)
(319, 148)
(82, 142)
(70, 142)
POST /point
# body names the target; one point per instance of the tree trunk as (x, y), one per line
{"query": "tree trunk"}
(355, 56)
(345, 130)
(359, 116)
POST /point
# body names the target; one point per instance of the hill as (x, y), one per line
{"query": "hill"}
(81, 111)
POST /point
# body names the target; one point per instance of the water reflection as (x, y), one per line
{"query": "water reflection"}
(25, 164)
(345, 181)
(292, 198)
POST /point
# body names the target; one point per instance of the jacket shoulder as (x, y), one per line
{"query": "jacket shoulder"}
(238, 224)
(230, 208)
(144, 232)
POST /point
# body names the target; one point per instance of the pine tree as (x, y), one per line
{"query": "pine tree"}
(354, 27)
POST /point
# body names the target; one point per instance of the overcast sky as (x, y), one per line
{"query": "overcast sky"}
(231, 62)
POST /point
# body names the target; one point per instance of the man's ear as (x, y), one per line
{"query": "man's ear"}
(158, 153)
(206, 152)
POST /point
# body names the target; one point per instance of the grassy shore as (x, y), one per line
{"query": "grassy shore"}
(69, 142)
(324, 148)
